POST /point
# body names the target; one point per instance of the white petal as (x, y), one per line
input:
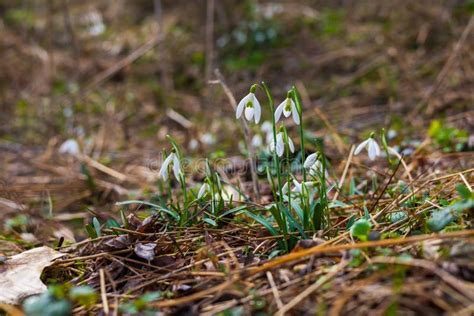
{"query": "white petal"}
(249, 112)
(290, 143)
(241, 106)
(280, 145)
(257, 141)
(257, 108)
(269, 138)
(278, 111)
(285, 111)
(164, 167)
(310, 160)
(377, 148)
(70, 147)
(176, 167)
(163, 174)
(373, 149)
(203, 190)
(317, 167)
(296, 115)
(285, 188)
(298, 186)
(267, 127)
(361, 146)
(271, 146)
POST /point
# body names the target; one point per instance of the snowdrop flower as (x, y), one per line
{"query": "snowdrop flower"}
(298, 186)
(250, 104)
(70, 147)
(280, 144)
(257, 141)
(287, 107)
(193, 144)
(371, 145)
(267, 128)
(208, 139)
(174, 160)
(205, 188)
(314, 165)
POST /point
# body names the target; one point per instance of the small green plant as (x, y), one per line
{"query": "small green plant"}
(447, 138)
(59, 300)
(361, 229)
(93, 229)
(442, 218)
(141, 305)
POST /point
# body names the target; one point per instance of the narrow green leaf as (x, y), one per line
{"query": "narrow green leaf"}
(173, 214)
(96, 224)
(210, 221)
(262, 221)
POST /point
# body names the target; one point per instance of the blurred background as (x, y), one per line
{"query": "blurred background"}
(120, 75)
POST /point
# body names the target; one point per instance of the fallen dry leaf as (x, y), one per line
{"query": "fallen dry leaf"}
(145, 251)
(20, 274)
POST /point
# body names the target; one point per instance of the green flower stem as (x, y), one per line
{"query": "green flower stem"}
(275, 156)
(323, 200)
(288, 176)
(385, 148)
(301, 128)
(185, 212)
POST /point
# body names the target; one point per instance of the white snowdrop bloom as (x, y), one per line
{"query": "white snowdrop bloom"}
(314, 165)
(310, 161)
(250, 105)
(297, 186)
(172, 159)
(267, 127)
(280, 144)
(205, 188)
(372, 148)
(257, 141)
(193, 144)
(70, 147)
(391, 134)
(208, 139)
(287, 108)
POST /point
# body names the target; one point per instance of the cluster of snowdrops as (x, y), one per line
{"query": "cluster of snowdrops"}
(300, 200)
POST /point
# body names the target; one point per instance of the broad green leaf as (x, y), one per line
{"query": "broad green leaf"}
(361, 229)
(464, 191)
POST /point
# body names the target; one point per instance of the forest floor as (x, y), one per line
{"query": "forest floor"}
(119, 229)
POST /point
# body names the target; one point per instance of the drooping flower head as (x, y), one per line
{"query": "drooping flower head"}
(371, 146)
(287, 108)
(267, 128)
(173, 160)
(282, 139)
(250, 106)
(314, 166)
(204, 190)
(298, 187)
(70, 147)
